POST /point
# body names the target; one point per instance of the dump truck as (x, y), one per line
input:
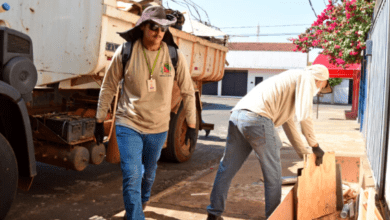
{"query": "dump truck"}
(54, 55)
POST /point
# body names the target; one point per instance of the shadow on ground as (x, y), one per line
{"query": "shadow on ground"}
(149, 214)
(215, 106)
(212, 138)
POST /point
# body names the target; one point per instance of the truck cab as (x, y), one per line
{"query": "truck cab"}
(18, 77)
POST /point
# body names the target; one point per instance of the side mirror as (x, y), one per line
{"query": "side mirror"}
(327, 89)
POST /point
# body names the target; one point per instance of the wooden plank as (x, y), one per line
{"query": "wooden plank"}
(339, 188)
(350, 168)
(333, 216)
(370, 204)
(317, 187)
(285, 210)
(372, 211)
(377, 216)
(362, 210)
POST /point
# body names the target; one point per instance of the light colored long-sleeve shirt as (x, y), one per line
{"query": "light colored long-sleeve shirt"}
(144, 111)
(276, 98)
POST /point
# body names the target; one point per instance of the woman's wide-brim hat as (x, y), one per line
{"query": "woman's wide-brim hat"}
(156, 14)
(151, 13)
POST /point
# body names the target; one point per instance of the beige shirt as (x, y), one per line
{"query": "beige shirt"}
(275, 98)
(147, 112)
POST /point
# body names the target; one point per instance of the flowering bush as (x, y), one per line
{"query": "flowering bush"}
(340, 30)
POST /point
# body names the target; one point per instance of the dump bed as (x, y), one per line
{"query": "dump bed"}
(74, 38)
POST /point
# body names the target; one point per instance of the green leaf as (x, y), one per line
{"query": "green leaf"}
(334, 81)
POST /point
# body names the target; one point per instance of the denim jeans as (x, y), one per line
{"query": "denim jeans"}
(137, 151)
(249, 131)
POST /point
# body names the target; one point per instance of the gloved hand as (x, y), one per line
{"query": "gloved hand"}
(99, 132)
(319, 154)
(191, 135)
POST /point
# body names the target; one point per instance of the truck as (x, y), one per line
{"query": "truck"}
(54, 55)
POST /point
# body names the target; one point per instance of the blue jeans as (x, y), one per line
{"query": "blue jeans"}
(249, 131)
(137, 151)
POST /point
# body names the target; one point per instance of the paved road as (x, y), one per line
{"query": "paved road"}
(62, 194)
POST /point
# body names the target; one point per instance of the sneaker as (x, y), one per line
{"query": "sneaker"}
(213, 217)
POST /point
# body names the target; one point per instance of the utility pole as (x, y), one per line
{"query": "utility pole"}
(258, 31)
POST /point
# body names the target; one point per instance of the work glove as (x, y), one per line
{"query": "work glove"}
(319, 154)
(99, 132)
(191, 135)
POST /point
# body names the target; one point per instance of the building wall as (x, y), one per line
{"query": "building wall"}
(266, 59)
(376, 115)
(340, 93)
(262, 64)
(252, 74)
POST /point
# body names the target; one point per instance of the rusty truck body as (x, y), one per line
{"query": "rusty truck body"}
(54, 55)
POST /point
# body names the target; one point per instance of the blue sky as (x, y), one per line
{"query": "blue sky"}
(228, 13)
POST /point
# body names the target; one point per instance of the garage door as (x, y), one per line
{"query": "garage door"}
(210, 88)
(234, 83)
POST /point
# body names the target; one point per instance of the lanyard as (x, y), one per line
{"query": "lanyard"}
(155, 61)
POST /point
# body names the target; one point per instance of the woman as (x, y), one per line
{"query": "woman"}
(142, 119)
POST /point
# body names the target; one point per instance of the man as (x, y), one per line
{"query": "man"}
(143, 115)
(272, 103)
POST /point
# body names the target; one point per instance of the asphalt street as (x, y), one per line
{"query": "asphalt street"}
(96, 192)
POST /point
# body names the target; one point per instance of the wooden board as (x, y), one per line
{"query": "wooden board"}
(317, 188)
(350, 168)
(285, 210)
(372, 213)
(362, 211)
(334, 216)
(371, 204)
(339, 188)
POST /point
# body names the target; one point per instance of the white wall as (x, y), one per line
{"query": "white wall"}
(340, 93)
(259, 73)
(263, 64)
(266, 59)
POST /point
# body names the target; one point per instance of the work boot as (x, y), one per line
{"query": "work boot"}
(144, 205)
(213, 217)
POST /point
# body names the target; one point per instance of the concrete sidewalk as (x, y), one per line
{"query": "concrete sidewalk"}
(188, 199)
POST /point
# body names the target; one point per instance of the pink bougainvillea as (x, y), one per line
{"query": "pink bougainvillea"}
(340, 61)
(340, 30)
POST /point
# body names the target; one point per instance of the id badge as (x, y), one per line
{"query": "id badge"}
(151, 85)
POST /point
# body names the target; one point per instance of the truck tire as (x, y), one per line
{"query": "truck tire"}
(177, 150)
(8, 176)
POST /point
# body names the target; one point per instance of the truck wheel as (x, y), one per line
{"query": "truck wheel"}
(177, 150)
(8, 176)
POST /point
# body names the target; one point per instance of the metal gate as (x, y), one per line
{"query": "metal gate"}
(210, 88)
(235, 83)
(378, 97)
